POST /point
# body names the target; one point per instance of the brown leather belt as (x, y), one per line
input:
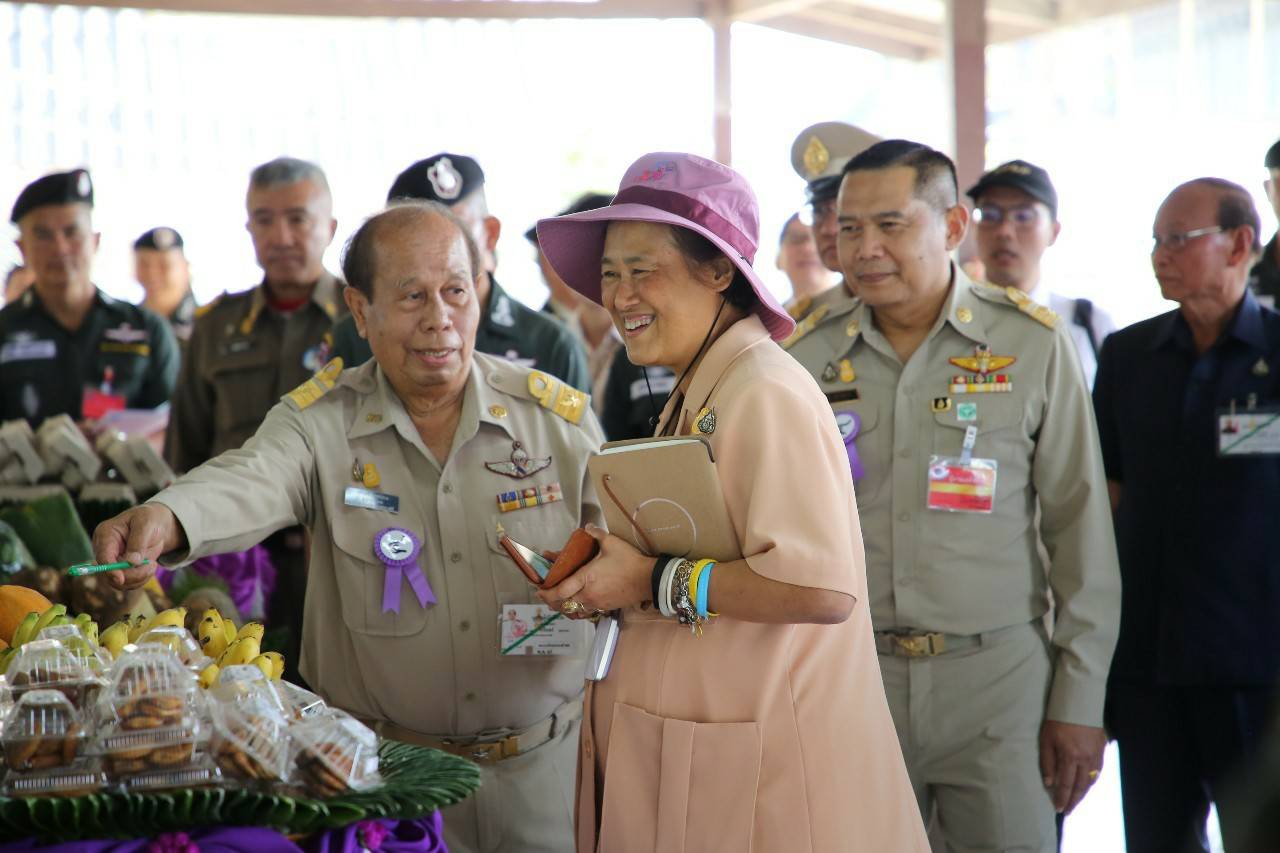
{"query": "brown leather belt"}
(489, 747)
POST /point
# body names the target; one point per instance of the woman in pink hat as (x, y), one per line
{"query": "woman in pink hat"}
(765, 727)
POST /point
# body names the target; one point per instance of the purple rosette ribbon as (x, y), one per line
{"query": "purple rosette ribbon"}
(850, 424)
(398, 550)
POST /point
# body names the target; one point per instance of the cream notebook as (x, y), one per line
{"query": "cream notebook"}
(667, 487)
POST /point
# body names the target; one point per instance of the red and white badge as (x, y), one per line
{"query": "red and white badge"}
(962, 484)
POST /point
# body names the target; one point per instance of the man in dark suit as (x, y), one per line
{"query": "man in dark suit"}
(1183, 402)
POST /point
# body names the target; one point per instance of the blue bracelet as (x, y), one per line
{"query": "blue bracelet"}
(704, 583)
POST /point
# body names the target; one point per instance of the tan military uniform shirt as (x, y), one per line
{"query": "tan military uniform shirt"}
(241, 358)
(966, 573)
(434, 670)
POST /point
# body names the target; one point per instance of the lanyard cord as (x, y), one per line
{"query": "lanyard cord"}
(653, 422)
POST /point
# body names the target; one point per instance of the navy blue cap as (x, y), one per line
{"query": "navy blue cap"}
(161, 239)
(74, 187)
(446, 178)
(1020, 175)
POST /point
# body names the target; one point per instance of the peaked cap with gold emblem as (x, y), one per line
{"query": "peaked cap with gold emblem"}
(820, 153)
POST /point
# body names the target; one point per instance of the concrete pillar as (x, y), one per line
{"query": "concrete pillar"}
(966, 60)
(722, 50)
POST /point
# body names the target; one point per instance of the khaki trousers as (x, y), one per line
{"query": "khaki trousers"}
(524, 803)
(969, 726)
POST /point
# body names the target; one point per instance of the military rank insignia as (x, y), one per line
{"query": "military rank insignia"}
(530, 497)
(982, 363)
(520, 465)
(566, 401)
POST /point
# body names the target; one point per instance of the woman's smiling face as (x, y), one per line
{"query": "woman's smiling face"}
(660, 304)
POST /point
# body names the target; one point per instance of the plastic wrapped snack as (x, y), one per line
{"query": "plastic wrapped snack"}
(250, 739)
(298, 703)
(334, 753)
(149, 718)
(148, 671)
(42, 731)
(190, 775)
(48, 665)
(83, 777)
(178, 640)
(73, 639)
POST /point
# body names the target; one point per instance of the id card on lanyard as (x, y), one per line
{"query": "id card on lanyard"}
(963, 483)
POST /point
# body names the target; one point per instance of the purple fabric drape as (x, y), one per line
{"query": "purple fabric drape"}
(424, 835)
(250, 577)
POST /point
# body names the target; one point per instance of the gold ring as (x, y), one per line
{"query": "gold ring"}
(571, 607)
(1093, 774)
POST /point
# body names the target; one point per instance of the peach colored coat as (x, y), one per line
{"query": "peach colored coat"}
(767, 738)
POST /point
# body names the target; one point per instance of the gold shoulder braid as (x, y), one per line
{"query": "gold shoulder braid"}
(565, 400)
(807, 325)
(317, 386)
(1041, 314)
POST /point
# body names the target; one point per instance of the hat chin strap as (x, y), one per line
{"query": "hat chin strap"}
(653, 421)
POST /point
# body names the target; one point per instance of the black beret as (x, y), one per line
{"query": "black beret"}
(1273, 157)
(72, 187)
(161, 238)
(446, 178)
(581, 204)
(1020, 175)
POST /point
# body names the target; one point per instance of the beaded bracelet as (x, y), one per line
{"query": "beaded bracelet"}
(680, 602)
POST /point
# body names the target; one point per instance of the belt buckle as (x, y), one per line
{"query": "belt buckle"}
(919, 645)
(487, 753)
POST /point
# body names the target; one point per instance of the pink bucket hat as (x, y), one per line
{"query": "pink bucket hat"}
(673, 189)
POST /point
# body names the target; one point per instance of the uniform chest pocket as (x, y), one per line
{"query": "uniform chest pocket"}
(543, 528)
(361, 575)
(244, 384)
(999, 424)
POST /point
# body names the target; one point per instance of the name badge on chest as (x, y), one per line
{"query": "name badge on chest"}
(1252, 432)
(962, 483)
(536, 631)
(369, 499)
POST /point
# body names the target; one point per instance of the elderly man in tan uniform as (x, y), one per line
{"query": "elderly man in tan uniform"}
(404, 471)
(971, 441)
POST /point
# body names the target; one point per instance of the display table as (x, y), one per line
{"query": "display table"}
(400, 816)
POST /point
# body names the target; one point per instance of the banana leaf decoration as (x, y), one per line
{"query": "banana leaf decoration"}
(416, 782)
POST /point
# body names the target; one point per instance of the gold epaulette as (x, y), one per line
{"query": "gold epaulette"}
(807, 325)
(201, 310)
(1040, 313)
(317, 386)
(565, 400)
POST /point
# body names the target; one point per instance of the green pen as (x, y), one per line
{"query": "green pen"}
(81, 569)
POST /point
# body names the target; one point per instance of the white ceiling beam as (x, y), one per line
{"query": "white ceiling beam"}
(761, 11)
(845, 34)
(894, 28)
(451, 9)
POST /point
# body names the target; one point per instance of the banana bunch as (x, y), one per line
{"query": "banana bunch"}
(215, 633)
(217, 636)
(245, 647)
(34, 623)
(126, 631)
